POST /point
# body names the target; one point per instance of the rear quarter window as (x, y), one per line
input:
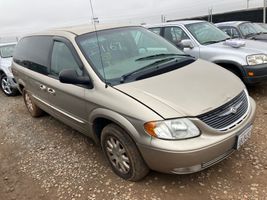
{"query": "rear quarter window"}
(33, 53)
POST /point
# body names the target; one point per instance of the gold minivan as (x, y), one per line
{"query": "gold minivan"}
(148, 104)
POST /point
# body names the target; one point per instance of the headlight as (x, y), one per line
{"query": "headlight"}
(172, 129)
(257, 59)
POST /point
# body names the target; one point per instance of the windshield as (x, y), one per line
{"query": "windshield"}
(206, 33)
(259, 28)
(125, 50)
(264, 26)
(7, 51)
(248, 29)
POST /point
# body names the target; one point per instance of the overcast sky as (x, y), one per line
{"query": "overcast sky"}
(22, 16)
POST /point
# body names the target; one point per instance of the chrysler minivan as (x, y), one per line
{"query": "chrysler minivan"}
(148, 105)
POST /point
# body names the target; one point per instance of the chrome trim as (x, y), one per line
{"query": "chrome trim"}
(217, 159)
(232, 110)
(62, 112)
(241, 118)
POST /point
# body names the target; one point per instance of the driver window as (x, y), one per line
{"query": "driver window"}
(234, 33)
(175, 34)
(62, 58)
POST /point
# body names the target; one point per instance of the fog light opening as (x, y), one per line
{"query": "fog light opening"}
(250, 73)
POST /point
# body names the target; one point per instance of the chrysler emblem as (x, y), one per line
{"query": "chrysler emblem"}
(231, 110)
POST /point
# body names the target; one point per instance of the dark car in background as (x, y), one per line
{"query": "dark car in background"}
(243, 29)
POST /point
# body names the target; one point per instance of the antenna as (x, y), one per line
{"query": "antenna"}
(101, 60)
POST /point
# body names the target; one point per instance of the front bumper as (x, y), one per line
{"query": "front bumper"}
(196, 154)
(259, 71)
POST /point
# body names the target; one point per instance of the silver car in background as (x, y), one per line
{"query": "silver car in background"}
(245, 58)
(8, 83)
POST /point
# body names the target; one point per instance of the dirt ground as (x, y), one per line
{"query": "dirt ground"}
(45, 159)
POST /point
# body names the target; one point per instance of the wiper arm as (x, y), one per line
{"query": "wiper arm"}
(215, 41)
(125, 76)
(250, 35)
(161, 55)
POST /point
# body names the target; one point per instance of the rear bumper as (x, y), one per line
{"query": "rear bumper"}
(194, 158)
(259, 71)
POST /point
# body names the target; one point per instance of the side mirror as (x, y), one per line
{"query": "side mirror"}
(187, 44)
(70, 76)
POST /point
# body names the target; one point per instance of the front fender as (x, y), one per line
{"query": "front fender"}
(117, 119)
(236, 64)
(4, 70)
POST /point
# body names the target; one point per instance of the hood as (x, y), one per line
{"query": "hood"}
(262, 37)
(186, 92)
(250, 47)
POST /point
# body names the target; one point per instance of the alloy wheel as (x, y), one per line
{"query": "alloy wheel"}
(6, 86)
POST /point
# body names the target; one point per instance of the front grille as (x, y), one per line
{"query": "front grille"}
(228, 115)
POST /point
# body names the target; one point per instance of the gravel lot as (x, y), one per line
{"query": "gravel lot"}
(45, 159)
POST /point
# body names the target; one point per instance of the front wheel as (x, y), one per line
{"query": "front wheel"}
(6, 86)
(122, 154)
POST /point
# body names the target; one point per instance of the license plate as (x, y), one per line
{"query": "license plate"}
(243, 137)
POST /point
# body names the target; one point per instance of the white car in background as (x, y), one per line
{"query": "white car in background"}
(8, 83)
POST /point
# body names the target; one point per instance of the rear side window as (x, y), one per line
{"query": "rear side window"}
(155, 30)
(62, 58)
(33, 53)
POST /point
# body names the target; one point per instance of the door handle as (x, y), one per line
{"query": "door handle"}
(51, 91)
(42, 87)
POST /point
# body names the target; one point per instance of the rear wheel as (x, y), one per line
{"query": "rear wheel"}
(6, 86)
(122, 154)
(33, 109)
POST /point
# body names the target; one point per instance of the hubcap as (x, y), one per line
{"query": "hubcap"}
(28, 102)
(6, 86)
(117, 155)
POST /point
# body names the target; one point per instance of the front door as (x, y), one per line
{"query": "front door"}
(68, 100)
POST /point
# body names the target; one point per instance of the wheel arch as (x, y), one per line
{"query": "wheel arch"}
(21, 85)
(101, 117)
(232, 66)
(1, 72)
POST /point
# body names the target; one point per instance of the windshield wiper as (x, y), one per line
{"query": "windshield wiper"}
(161, 55)
(250, 35)
(215, 41)
(125, 76)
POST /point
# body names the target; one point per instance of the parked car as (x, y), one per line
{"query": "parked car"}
(8, 83)
(263, 25)
(148, 104)
(243, 29)
(245, 58)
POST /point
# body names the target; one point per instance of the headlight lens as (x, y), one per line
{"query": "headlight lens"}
(172, 129)
(257, 59)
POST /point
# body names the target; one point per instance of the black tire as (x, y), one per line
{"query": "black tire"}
(33, 109)
(6, 88)
(137, 167)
